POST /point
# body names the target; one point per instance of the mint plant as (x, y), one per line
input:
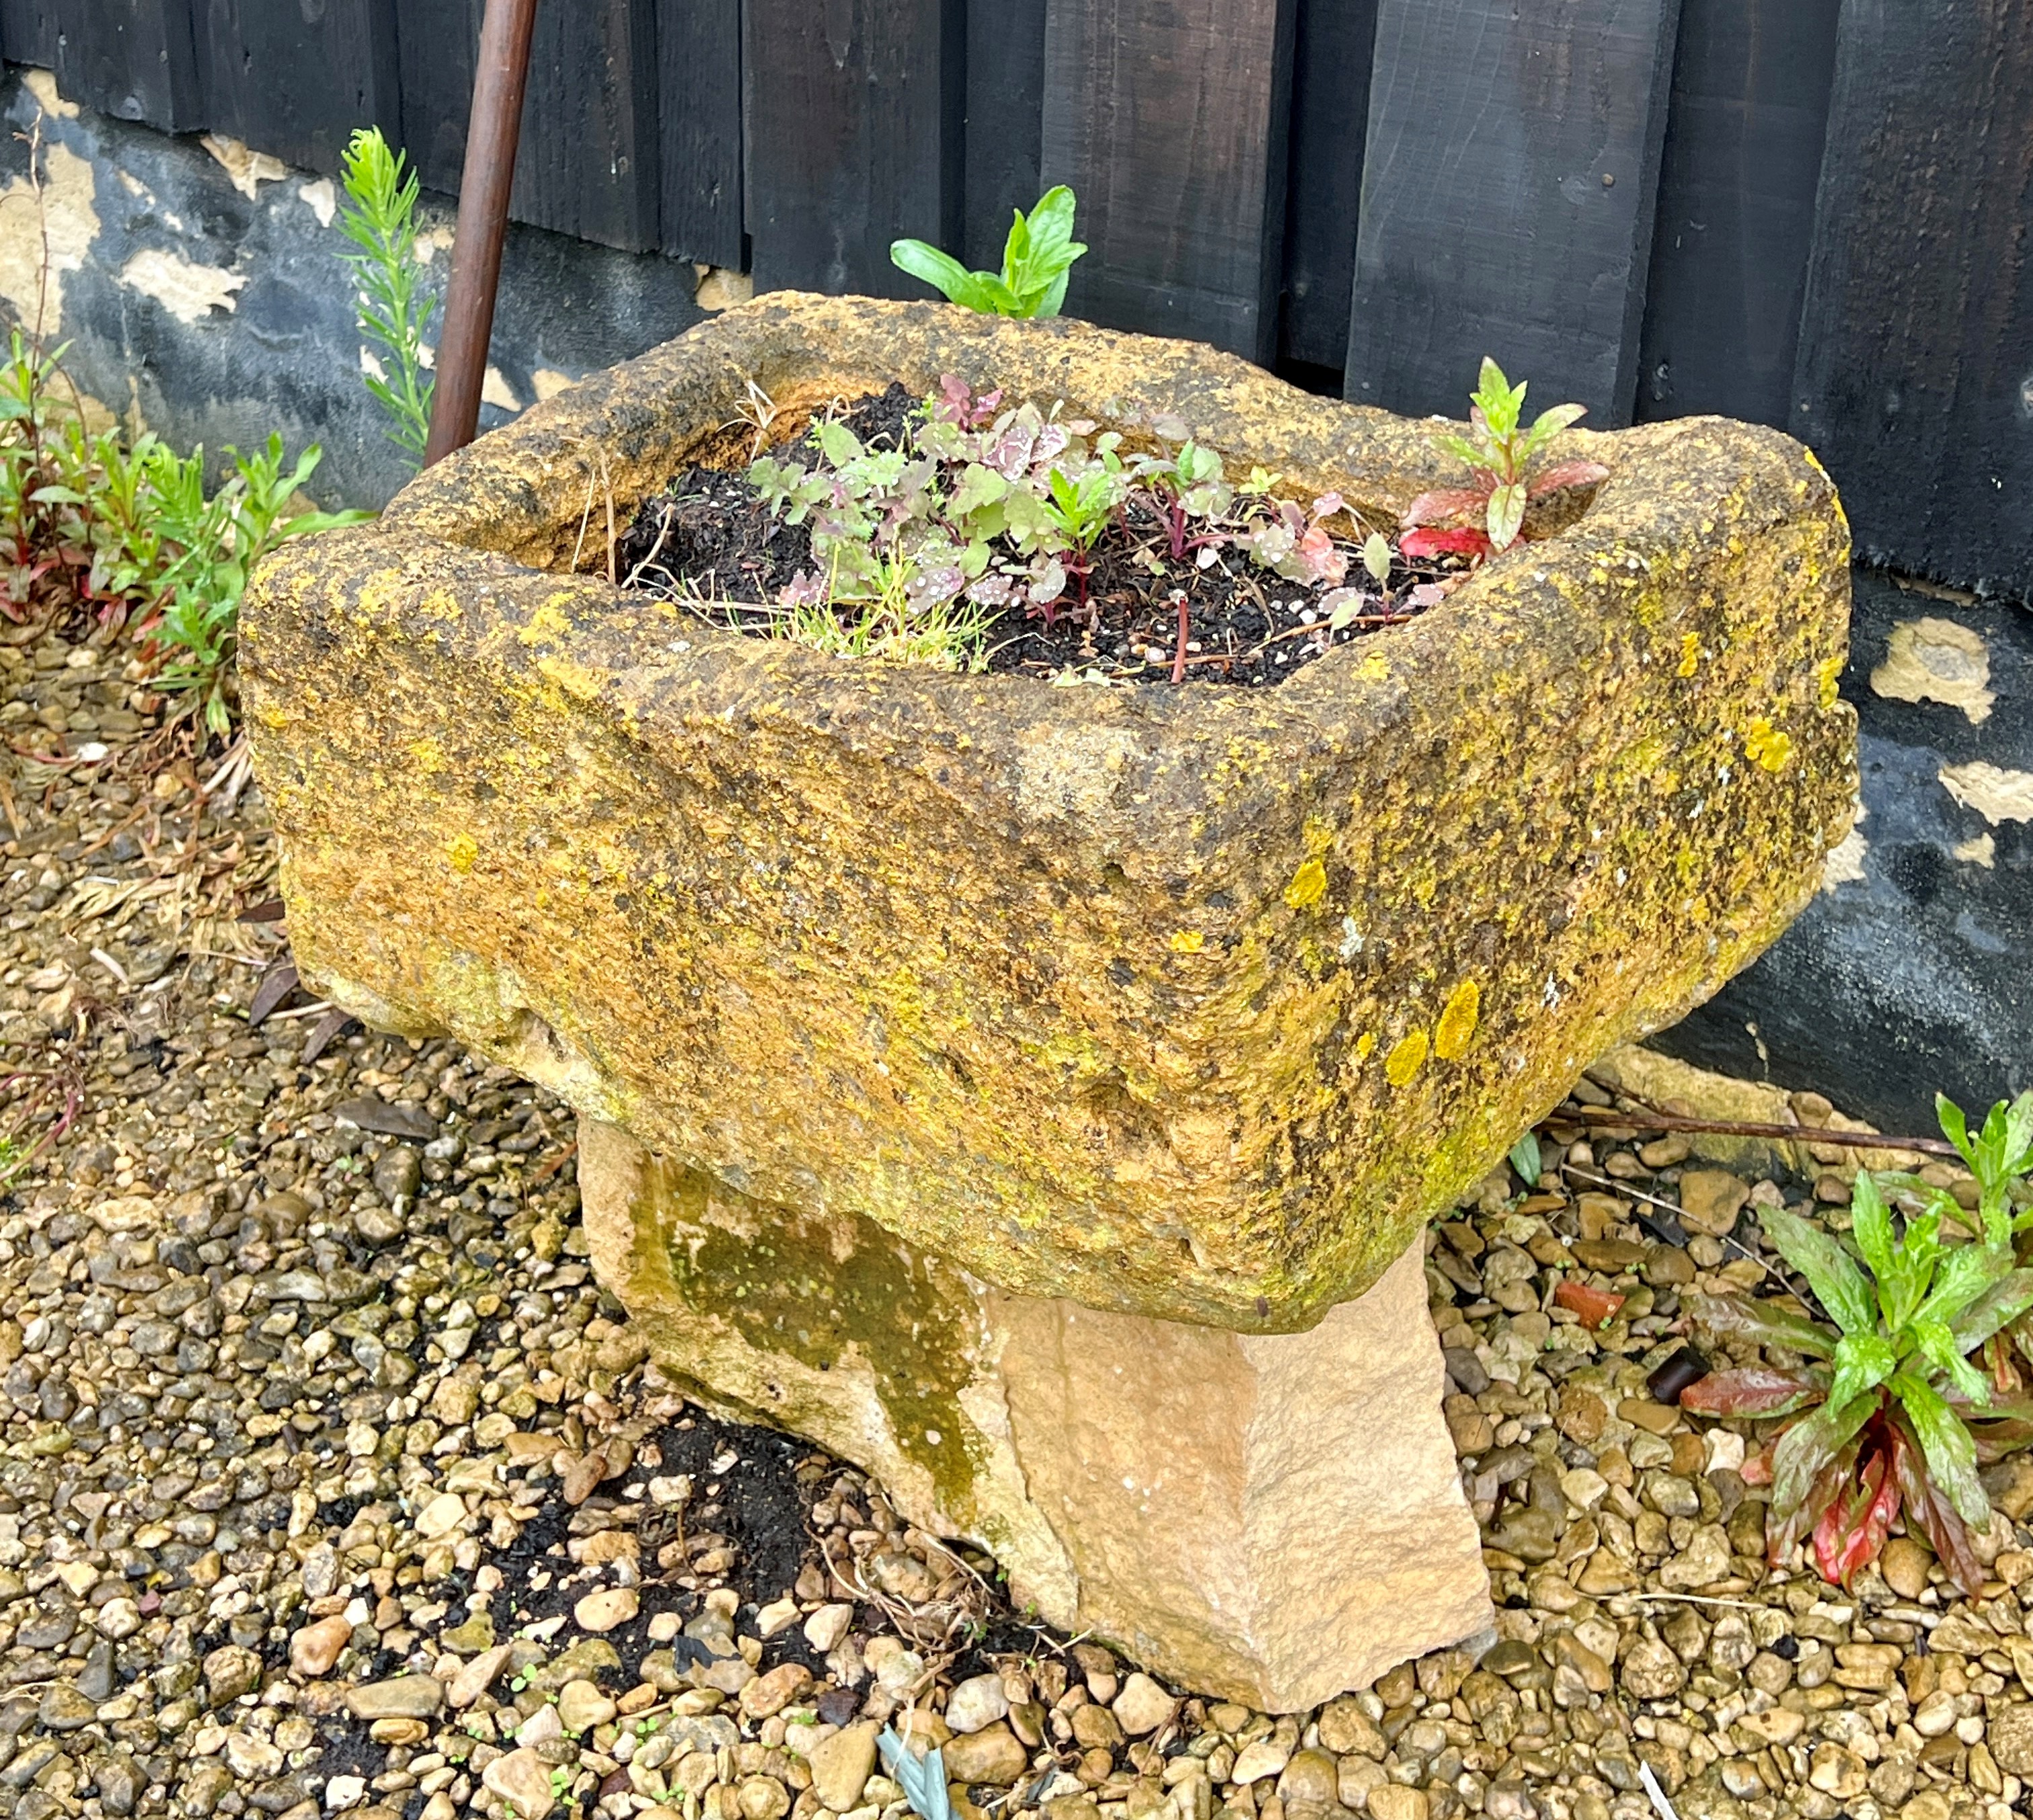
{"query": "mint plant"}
(1037, 259)
(1890, 1415)
(393, 304)
(1499, 452)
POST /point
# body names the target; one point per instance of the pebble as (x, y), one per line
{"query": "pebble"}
(606, 1609)
(582, 1706)
(1310, 1776)
(826, 1625)
(1143, 1706)
(1711, 1199)
(1260, 1757)
(523, 1779)
(316, 1648)
(1904, 1564)
(407, 1697)
(976, 1703)
(1393, 1801)
(842, 1764)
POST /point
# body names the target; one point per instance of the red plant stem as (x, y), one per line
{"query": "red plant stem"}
(1179, 662)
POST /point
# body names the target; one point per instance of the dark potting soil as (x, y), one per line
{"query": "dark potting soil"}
(710, 540)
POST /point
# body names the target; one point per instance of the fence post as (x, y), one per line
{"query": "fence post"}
(1169, 118)
(1914, 380)
(1507, 195)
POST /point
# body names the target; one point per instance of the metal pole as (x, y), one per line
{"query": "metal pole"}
(483, 223)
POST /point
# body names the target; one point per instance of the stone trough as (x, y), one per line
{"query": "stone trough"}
(1036, 1094)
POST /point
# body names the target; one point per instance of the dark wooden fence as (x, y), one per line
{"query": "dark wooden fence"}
(1811, 213)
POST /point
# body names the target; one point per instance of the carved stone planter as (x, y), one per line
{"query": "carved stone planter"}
(1189, 1005)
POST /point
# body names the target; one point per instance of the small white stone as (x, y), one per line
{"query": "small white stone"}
(344, 1792)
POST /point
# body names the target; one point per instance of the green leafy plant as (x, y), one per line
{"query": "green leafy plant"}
(219, 540)
(1037, 259)
(1889, 1414)
(1185, 485)
(1006, 508)
(394, 305)
(1525, 1158)
(1499, 452)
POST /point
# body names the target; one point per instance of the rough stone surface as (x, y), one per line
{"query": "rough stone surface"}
(1273, 1519)
(1190, 1003)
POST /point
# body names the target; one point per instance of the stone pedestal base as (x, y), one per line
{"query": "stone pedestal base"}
(1271, 1519)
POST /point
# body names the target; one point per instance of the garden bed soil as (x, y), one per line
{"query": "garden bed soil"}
(711, 540)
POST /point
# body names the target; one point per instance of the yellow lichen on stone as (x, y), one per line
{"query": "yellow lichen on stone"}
(1690, 653)
(1827, 681)
(1407, 1057)
(463, 852)
(1766, 747)
(1456, 1028)
(547, 623)
(945, 963)
(1308, 886)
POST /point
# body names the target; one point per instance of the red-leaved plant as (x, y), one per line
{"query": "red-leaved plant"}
(1889, 1417)
(1499, 453)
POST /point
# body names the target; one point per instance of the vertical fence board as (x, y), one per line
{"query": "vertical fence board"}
(1005, 101)
(437, 43)
(294, 86)
(1914, 382)
(1332, 46)
(28, 32)
(698, 65)
(1507, 193)
(1169, 118)
(589, 160)
(1736, 207)
(134, 59)
(853, 112)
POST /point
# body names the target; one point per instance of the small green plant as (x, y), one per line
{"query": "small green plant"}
(1499, 452)
(1036, 260)
(1890, 1415)
(395, 306)
(219, 540)
(1525, 1158)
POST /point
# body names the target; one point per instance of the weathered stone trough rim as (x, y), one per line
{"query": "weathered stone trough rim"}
(1137, 903)
(470, 499)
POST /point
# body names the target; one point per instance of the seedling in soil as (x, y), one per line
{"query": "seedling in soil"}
(1036, 259)
(1499, 452)
(1890, 1415)
(949, 531)
(1185, 486)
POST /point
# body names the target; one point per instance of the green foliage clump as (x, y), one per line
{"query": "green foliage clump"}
(1499, 452)
(1891, 1412)
(1037, 260)
(395, 306)
(123, 526)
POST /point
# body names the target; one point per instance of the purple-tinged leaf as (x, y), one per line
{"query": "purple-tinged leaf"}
(1755, 1390)
(1762, 1323)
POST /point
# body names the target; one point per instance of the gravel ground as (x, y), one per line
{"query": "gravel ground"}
(330, 1482)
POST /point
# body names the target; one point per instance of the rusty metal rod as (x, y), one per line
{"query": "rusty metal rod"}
(495, 126)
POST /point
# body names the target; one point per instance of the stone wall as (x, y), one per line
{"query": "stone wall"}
(199, 287)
